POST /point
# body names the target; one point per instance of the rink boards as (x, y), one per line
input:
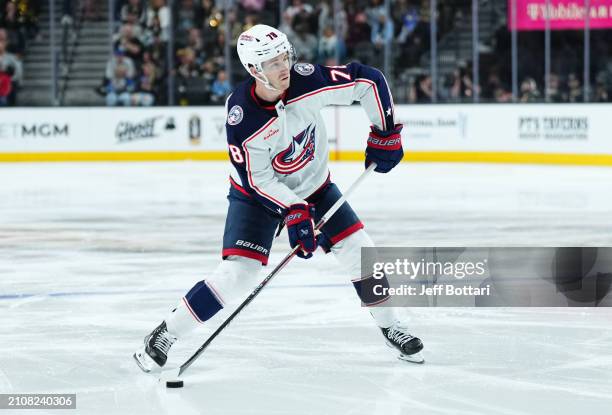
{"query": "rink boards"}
(502, 133)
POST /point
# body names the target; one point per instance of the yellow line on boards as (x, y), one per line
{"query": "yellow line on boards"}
(113, 156)
(492, 157)
(411, 156)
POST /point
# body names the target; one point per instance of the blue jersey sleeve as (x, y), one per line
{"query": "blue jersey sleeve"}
(343, 85)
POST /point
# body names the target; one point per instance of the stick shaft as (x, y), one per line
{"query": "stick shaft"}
(276, 270)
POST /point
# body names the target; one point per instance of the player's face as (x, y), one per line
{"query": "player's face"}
(277, 71)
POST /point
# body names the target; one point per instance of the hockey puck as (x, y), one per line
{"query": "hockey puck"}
(174, 384)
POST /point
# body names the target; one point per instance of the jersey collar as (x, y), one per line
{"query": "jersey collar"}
(265, 105)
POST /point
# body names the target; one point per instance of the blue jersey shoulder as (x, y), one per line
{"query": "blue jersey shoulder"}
(307, 77)
(244, 116)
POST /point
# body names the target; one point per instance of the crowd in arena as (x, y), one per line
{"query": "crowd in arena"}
(138, 72)
(359, 30)
(18, 26)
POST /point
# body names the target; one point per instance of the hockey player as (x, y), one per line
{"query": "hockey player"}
(278, 149)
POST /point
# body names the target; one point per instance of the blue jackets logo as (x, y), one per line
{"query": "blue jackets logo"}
(304, 69)
(299, 153)
(234, 116)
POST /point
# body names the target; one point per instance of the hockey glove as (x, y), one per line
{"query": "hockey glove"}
(300, 226)
(384, 148)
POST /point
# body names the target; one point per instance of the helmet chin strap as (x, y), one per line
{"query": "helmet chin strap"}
(266, 82)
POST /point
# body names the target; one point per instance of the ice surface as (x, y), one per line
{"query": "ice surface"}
(92, 256)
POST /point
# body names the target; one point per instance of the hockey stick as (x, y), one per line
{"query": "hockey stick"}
(276, 270)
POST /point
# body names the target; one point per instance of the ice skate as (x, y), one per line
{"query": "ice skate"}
(154, 353)
(409, 347)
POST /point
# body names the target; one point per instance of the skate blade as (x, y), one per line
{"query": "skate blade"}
(145, 363)
(412, 358)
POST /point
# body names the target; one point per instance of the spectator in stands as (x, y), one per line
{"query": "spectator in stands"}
(574, 89)
(462, 88)
(133, 12)
(299, 7)
(186, 16)
(120, 86)
(196, 43)
(91, 10)
(358, 34)
(374, 10)
(329, 45)
(120, 70)
(250, 20)
(135, 20)
(529, 90)
(209, 72)
(329, 17)
(11, 72)
(216, 50)
(188, 65)
(157, 18)
(286, 26)
(554, 89)
(28, 16)
(305, 43)
(11, 22)
(235, 28)
(220, 89)
(409, 22)
(382, 31)
(421, 91)
(145, 87)
(6, 88)
(204, 10)
(253, 6)
(302, 15)
(127, 40)
(502, 95)
(601, 93)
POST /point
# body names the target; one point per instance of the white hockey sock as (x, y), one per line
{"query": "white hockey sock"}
(384, 316)
(180, 321)
(229, 281)
(348, 253)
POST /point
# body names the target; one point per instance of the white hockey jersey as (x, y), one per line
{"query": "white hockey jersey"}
(280, 152)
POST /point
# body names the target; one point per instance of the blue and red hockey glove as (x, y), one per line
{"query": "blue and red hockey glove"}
(300, 226)
(384, 148)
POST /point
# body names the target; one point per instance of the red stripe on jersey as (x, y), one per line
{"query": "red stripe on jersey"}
(248, 164)
(239, 188)
(380, 110)
(245, 253)
(260, 102)
(318, 91)
(350, 84)
(346, 233)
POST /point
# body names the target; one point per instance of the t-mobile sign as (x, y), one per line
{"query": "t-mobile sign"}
(562, 14)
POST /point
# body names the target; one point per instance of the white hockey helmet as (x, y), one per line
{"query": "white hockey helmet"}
(259, 44)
